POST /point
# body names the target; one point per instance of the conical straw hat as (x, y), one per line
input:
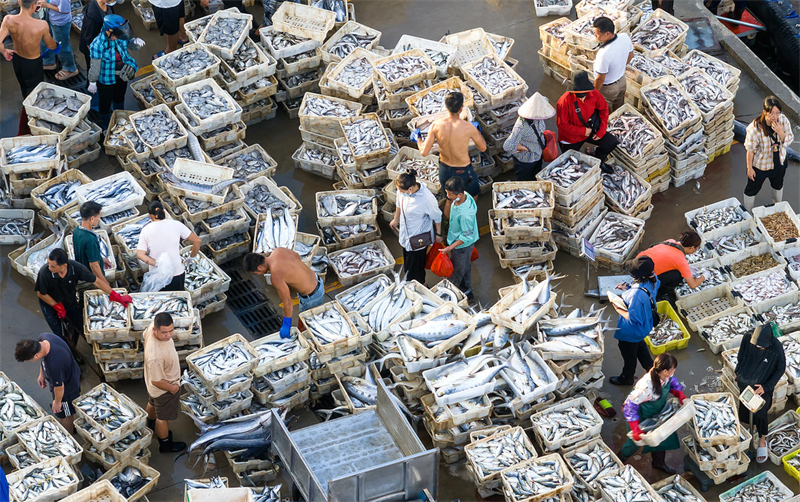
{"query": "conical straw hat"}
(536, 107)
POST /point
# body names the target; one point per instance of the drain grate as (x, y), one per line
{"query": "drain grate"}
(251, 306)
(76, 83)
(260, 321)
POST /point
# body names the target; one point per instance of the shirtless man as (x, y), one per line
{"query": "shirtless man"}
(287, 271)
(26, 32)
(453, 134)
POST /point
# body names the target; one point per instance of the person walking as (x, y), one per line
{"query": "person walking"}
(527, 140)
(56, 285)
(646, 401)
(288, 273)
(27, 35)
(671, 265)
(416, 215)
(112, 65)
(582, 116)
(614, 54)
(163, 237)
(636, 322)
(87, 243)
(667, 6)
(453, 135)
(170, 16)
(58, 370)
(162, 377)
(760, 365)
(93, 14)
(767, 138)
(462, 233)
(60, 17)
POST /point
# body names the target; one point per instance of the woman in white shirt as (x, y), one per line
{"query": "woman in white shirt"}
(163, 236)
(416, 215)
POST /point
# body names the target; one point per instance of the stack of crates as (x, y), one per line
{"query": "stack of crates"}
(650, 160)
(278, 375)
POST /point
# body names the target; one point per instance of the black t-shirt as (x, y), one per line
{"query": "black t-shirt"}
(92, 24)
(60, 367)
(62, 290)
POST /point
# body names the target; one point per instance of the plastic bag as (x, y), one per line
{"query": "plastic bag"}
(433, 252)
(474, 255)
(442, 266)
(550, 151)
(159, 276)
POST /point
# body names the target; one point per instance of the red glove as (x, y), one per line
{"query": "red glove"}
(679, 394)
(124, 300)
(61, 311)
(637, 432)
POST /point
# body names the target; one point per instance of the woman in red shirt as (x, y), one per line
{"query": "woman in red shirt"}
(575, 129)
(671, 265)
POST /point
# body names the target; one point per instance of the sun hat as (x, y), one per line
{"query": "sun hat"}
(536, 107)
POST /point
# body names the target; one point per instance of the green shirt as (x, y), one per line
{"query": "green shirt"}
(463, 223)
(87, 247)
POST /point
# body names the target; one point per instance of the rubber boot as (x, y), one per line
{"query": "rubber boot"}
(659, 462)
(749, 202)
(169, 446)
(151, 424)
(777, 195)
(620, 380)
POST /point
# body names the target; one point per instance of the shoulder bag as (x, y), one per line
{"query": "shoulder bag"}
(419, 241)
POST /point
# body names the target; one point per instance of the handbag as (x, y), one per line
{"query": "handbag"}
(549, 146)
(419, 241)
(594, 120)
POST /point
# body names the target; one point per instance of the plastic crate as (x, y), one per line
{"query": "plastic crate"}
(200, 173)
(60, 92)
(303, 21)
(232, 13)
(7, 144)
(665, 307)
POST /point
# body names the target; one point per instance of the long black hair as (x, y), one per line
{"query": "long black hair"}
(157, 209)
(665, 361)
(761, 120)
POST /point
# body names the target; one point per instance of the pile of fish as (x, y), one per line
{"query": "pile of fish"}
(526, 373)
(129, 481)
(713, 277)
(337, 233)
(499, 452)
(246, 56)
(15, 226)
(329, 326)
(358, 261)
(166, 94)
(277, 230)
(578, 336)
(199, 272)
(60, 194)
(224, 31)
(706, 220)
(705, 93)
(268, 494)
(302, 78)
(627, 485)
(623, 187)
(432, 102)
(156, 128)
(131, 231)
(67, 105)
(201, 484)
(536, 478)
(765, 287)
(16, 408)
(501, 47)
(196, 407)
(103, 313)
(359, 296)
(557, 29)
(712, 67)
(783, 314)
(564, 423)
(584, 26)
(365, 136)
(616, 233)
(791, 348)
(780, 227)
(110, 367)
(280, 40)
(224, 360)
(729, 327)
(402, 67)
(41, 480)
(669, 105)
(224, 218)
(594, 464)
(714, 419)
(343, 149)
(783, 439)
(23, 458)
(322, 107)
(116, 191)
(134, 142)
(344, 204)
(427, 170)
(566, 172)
(675, 492)
(653, 423)
(733, 243)
(447, 291)
(249, 163)
(279, 380)
(275, 349)
(633, 132)
(675, 66)
(656, 33)
(30, 154)
(753, 265)
(439, 58)
(221, 151)
(350, 42)
(762, 490)
(298, 57)
(146, 307)
(522, 198)
(105, 409)
(647, 66)
(182, 64)
(494, 76)
(48, 440)
(666, 331)
(204, 103)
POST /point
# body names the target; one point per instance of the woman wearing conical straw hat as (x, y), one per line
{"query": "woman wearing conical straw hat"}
(527, 139)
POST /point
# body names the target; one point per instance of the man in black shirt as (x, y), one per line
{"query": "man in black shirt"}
(58, 370)
(56, 288)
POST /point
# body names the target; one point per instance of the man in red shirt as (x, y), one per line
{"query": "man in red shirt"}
(582, 115)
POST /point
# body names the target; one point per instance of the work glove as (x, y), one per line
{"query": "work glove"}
(286, 327)
(48, 51)
(187, 262)
(138, 42)
(125, 300)
(416, 134)
(679, 394)
(92, 87)
(637, 432)
(61, 311)
(477, 125)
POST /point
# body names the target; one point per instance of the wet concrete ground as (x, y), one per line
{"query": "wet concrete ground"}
(19, 311)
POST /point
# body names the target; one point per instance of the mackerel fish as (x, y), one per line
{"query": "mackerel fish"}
(275, 349)
(66, 104)
(111, 367)
(338, 233)
(732, 243)
(715, 418)
(763, 490)
(676, 492)
(267, 494)
(656, 33)
(205, 484)
(365, 136)
(528, 304)
(402, 67)
(131, 231)
(647, 66)
(359, 260)
(623, 187)
(106, 219)
(499, 451)
(200, 271)
(319, 156)
(42, 480)
(225, 218)
(670, 106)
(329, 326)
(673, 65)
(103, 313)
(343, 204)
(633, 131)
(277, 230)
(653, 423)
(616, 233)
(129, 481)
(593, 464)
(22, 458)
(580, 336)
(115, 191)
(494, 76)
(16, 408)
(326, 107)
(527, 373)
(48, 439)
(565, 423)
(188, 62)
(105, 408)
(627, 485)
(447, 292)
(146, 307)
(60, 194)
(706, 220)
(713, 277)
(783, 314)
(556, 29)
(666, 331)
(712, 67)
(278, 380)
(427, 170)
(582, 493)
(350, 41)
(30, 154)
(357, 297)
(568, 171)
(703, 90)
(223, 360)
(539, 477)
(765, 287)
(521, 198)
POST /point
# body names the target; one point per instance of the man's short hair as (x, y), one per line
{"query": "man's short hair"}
(252, 261)
(90, 209)
(59, 256)
(26, 349)
(454, 101)
(162, 320)
(26, 4)
(604, 24)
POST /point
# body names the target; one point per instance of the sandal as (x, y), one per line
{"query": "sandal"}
(64, 74)
(761, 454)
(49, 67)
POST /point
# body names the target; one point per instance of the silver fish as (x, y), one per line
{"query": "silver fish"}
(365, 135)
(494, 76)
(717, 418)
(103, 313)
(43, 480)
(350, 41)
(359, 260)
(673, 65)
(146, 307)
(500, 451)
(250, 163)
(356, 73)
(322, 106)
(402, 67)
(156, 128)
(706, 220)
(669, 105)
(647, 66)
(656, 33)
(627, 485)
(763, 490)
(714, 277)
(711, 66)
(762, 288)
(521, 198)
(278, 229)
(568, 171)
(633, 132)
(344, 204)
(676, 492)
(67, 105)
(565, 423)
(703, 90)
(616, 233)
(224, 32)
(223, 360)
(186, 62)
(204, 103)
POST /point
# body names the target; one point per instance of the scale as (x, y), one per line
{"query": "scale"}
(605, 283)
(751, 400)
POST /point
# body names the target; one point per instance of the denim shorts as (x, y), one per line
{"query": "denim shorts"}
(315, 299)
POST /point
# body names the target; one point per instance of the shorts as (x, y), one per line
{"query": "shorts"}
(315, 299)
(67, 408)
(167, 405)
(467, 173)
(169, 20)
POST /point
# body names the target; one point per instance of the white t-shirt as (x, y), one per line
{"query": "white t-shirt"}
(164, 236)
(165, 4)
(612, 58)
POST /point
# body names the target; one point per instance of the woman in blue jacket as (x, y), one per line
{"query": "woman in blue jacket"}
(637, 322)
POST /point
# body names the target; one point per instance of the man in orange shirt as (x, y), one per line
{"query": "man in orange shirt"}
(671, 265)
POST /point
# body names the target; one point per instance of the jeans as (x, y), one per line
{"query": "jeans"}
(631, 351)
(462, 269)
(315, 299)
(466, 173)
(61, 34)
(73, 314)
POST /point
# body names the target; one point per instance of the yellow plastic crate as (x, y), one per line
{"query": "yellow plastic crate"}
(664, 307)
(790, 470)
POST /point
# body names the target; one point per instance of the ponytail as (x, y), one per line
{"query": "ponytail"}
(663, 362)
(407, 179)
(690, 239)
(156, 209)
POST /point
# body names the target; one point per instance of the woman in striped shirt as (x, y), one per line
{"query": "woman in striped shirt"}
(527, 138)
(767, 138)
